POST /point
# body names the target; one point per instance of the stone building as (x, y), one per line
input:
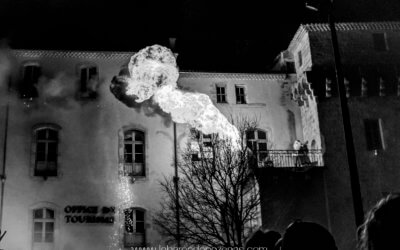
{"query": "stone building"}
(66, 141)
(371, 63)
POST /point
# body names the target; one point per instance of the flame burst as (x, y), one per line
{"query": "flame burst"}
(154, 73)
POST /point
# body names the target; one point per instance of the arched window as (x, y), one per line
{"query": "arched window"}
(46, 139)
(257, 142)
(134, 155)
(134, 227)
(43, 228)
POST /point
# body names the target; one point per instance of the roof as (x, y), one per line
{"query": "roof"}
(317, 27)
(234, 76)
(108, 55)
(324, 27)
(111, 55)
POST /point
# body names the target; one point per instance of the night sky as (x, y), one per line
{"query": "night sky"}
(211, 35)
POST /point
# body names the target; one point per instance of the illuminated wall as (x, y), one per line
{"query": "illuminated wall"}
(89, 150)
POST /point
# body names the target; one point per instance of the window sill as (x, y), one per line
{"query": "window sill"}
(135, 178)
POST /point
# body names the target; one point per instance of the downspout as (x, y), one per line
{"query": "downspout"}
(172, 41)
(3, 170)
(176, 181)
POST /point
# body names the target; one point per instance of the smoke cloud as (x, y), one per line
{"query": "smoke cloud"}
(153, 73)
(61, 86)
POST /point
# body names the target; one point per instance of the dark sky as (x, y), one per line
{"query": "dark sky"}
(218, 35)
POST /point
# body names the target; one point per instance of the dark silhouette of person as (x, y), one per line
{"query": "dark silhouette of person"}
(302, 153)
(306, 235)
(381, 227)
(263, 238)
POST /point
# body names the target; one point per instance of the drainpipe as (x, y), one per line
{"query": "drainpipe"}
(172, 41)
(3, 170)
(348, 134)
(176, 182)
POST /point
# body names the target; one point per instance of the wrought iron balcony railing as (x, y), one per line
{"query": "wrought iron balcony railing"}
(292, 159)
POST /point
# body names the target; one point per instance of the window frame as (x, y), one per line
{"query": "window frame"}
(257, 141)
(240, 97)
(34, 155)
(84, 89)
(133, 142)
(31, 64)
(134, 224)
(374, 139)
(44, 220)
(221, 97)
(28, 89)
(300, 58)
(201, 145)
(57, 219)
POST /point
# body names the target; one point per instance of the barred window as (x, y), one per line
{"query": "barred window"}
(134, 155)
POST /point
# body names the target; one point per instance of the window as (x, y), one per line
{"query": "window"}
(221, 94)
(300, 58)
(257, 142)
(134, 164)
(134, 229)
(240, 95)
(373, 132)
(88, 80)
(43, 226)
(31, 75)
(202, 145)
(380, 42)
(46, 151)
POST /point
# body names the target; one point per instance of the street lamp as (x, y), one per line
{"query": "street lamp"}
(351, 156)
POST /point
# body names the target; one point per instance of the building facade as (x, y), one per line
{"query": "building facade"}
(370, 56)
(67, 143)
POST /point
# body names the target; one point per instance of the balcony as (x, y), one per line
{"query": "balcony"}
(291, 159)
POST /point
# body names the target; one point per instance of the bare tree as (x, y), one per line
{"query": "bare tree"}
(218, 192)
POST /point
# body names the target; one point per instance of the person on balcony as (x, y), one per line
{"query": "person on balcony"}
(302, 158)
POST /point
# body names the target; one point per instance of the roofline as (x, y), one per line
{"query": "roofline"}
(110, 55)
(235, 76)
(324, 27)
(301, 31)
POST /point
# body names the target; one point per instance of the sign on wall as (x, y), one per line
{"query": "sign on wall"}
(89, 214)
